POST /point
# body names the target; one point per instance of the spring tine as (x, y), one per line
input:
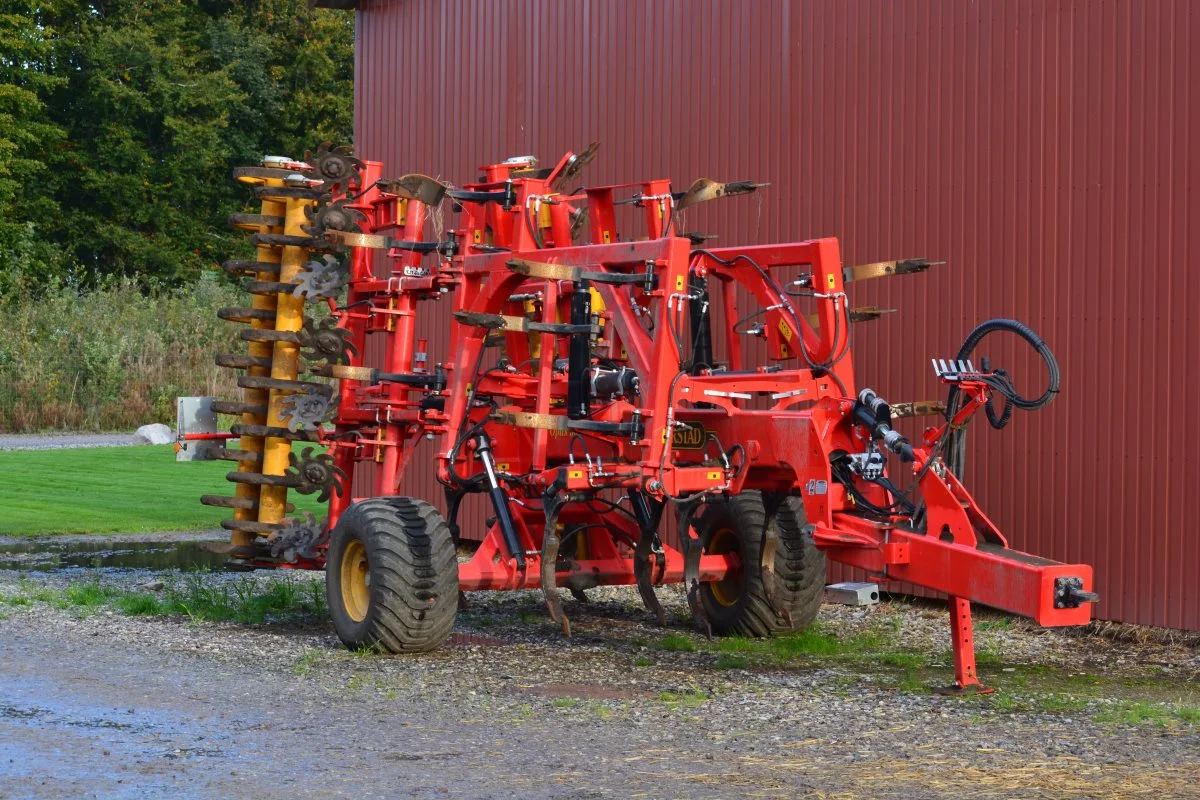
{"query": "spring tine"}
(936, 372)
(970, 366)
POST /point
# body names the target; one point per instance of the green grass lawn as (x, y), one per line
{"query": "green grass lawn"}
(113, 489)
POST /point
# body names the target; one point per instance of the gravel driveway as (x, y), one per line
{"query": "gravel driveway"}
(96, 704)
(62, 441)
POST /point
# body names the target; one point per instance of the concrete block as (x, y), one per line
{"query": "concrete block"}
(852, 593)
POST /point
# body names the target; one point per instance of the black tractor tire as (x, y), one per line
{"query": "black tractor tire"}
(391, 576)
(738, 605)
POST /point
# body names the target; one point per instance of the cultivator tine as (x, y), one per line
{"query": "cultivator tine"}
(534, 269)
(860, 314)
(574, 165)
(235, 407)
(883, 269)
(705, 189)
(552, 504)
(869, 313)
(698, 239)
(370, 241)
(648, 518)
(641, 573)
(239, 268)
(257, 223)
(251, 457)
(239, 314)
(422, 188)
(692, 548)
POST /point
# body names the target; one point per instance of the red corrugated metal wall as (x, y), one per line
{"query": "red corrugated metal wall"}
(1045, 150)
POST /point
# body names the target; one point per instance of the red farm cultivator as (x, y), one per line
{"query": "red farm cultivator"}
(599, 378)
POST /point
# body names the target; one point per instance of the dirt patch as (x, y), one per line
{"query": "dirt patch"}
(462, 639)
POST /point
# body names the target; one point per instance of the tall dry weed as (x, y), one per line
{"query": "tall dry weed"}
(112, 358)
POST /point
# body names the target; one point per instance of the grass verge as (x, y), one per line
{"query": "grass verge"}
(879, 654)
(112, 489)
(245, 601)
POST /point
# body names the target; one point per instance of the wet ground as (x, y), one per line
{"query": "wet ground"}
(94, 703)
(181, 551)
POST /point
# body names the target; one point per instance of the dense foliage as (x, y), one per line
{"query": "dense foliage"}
(111, 358)
(120, 122)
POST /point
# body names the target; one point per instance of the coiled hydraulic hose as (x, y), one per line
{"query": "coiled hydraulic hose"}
(956, 440)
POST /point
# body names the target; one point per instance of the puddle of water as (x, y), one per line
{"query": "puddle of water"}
(52, 556)
(40, 715)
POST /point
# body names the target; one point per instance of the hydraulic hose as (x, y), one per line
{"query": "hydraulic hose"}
(956, 440)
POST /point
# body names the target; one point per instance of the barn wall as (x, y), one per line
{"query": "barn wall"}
(1044, 150)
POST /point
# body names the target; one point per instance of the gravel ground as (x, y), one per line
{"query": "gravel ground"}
(97, 704)
(62, 441)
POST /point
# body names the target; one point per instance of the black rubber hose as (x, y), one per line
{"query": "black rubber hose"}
(957, 439)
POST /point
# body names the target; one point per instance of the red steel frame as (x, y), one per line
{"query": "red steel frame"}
(516, 258)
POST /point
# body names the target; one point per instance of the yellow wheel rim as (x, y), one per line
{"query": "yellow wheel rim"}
(356, 581)
(728, 590)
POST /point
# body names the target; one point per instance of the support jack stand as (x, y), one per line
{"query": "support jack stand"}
(966, 682)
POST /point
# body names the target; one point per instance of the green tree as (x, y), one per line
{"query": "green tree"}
(144, 108)
(28, 138)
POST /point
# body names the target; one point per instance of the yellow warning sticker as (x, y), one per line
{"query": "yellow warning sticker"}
(575, 474)
(785, 330)
(715, 476)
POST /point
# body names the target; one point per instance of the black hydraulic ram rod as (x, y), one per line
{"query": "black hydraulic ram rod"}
(579, 356)
(500, 502)
(702, 352)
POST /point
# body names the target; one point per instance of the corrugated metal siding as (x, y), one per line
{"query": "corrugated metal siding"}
(1045, 150)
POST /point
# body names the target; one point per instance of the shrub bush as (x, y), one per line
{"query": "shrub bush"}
(111, 358)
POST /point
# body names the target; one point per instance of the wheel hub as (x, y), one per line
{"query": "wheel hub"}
(356, 581)
(728, 590)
